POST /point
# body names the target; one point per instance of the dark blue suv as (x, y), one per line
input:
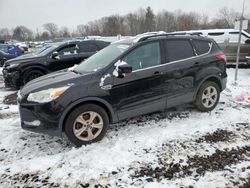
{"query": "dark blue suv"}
(11, 49)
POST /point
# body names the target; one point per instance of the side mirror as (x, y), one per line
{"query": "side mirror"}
(121, 69)
(247, 41)
(55, 55)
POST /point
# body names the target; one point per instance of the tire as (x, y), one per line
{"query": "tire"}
(208, 96)
(31, 75)
(2, 62)
(81, 130)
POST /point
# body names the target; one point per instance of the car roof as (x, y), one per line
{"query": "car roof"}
(160, 35)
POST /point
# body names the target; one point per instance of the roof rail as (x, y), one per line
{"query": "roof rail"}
(143, 37)
(188, 33)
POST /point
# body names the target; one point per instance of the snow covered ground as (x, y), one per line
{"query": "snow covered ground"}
(179, 148)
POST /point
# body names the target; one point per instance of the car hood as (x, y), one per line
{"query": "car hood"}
(53, 80)
(23, 59)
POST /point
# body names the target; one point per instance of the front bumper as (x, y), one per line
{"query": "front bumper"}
(40, 118)
(11, 79)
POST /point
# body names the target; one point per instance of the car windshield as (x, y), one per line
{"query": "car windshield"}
(47, 50)
(42, 49)
(102, 58)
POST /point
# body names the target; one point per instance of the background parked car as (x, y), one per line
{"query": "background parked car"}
(11, 49)
(227, 39)
(23, 46)
(21, 70)
(4, 57)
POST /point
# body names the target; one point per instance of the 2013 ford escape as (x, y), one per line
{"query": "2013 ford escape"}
(136, 76)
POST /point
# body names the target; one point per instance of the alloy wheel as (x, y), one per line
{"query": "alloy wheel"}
(88, 125)
(209, 97)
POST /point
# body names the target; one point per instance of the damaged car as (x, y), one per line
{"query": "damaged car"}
(131, 77)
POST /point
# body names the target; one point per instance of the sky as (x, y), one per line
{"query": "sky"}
(70, 13)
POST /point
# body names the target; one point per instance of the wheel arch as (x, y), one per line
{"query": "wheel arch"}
(92, 100)
(213, 78)
(37, 67)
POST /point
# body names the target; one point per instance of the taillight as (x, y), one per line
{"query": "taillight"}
(221, 57)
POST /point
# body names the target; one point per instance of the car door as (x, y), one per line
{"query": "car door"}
(141, 91)
(66, 58)
(181, 70)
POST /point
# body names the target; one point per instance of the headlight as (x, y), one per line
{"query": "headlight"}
(47, 95)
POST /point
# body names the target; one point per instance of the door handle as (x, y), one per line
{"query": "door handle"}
(158, 73)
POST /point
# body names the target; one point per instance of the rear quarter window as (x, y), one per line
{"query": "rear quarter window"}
(202, 47)
(178, 49)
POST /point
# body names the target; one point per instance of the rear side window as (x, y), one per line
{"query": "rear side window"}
(87, 47)
(202, 47)
(216, 34)
(178, 49)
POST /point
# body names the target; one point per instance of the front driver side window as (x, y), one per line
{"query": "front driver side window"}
(144, 56)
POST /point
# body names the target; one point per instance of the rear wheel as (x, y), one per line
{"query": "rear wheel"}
(208, 96)
(86, 124)
(31, 75)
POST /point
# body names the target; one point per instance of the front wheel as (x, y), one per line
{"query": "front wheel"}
(208, 96)
(31, 75)
(86, 124)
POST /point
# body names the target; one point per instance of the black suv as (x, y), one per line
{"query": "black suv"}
(129, 78)
(21, 70)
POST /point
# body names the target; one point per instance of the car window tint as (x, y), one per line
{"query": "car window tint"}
(87, 47)
(216, 34)
(68, 50)
(144, 56)
(202, 47)
(179, 49)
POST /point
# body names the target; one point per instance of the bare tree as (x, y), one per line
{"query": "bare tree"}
(166, 21)
(51, 28)
(45, 35)
(226, 18)
(22, 33)
(64, 32)
(204, 22)
(113, 25)
(5, 34)
(187, 21)
(149, 23)
(132, 22)
(81, 30)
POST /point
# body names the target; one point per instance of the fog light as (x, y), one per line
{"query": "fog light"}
(33, 123)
